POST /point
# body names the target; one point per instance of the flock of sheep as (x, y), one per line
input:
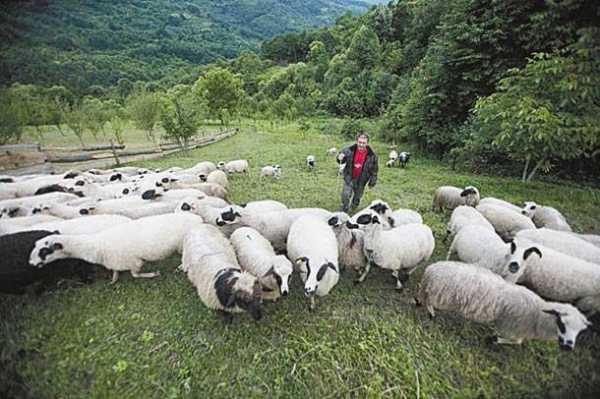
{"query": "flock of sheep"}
(237, 256)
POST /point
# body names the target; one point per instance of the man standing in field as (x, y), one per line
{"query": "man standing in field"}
(361, 168)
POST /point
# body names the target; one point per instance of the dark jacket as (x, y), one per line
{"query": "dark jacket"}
(369, 170)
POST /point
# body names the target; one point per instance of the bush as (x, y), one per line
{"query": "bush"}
(351, 128)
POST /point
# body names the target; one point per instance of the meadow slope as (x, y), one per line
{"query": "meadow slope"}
(155, 339)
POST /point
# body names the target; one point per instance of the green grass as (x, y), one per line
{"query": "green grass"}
(155, 339)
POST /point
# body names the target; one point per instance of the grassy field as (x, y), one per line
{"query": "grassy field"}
(155, 339)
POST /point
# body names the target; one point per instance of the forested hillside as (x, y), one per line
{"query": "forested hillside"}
(83, 43)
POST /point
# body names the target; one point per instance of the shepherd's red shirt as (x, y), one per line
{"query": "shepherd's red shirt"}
(359, 160)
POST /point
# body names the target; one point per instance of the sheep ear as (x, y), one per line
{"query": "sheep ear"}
(331, 266)
(332, 221)
(237, 214)
(467, 191)
(270, 272)
(391, 222)
(57, 246)
(530, 251)
(513, 248)
(375, 220)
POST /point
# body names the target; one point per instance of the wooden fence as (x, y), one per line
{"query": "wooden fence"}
(21, 159)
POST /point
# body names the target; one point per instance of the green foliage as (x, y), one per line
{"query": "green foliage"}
(351, 128)
(222, 91)
(179, 116)
(364, 49)
(75, 119)
(12, 117)
(144, 110)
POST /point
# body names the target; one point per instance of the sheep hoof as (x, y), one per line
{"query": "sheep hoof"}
(357, 281)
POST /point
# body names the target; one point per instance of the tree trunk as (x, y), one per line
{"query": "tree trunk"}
(524, 175)
(535, 169)
(60, 129)
(40, 135)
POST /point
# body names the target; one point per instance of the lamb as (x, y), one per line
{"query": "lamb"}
(545, 216)
(211, 265)
(400, 249)
(271, 171)
(481, 246)
(313, 247)
(564, 242)
(91, 224)
(350, 243)
(466, 216)
(218, 177)
(515, 312)
(332, 151)
(12, 225)
(450, 197)
(16, 274)
(403, 158)
(560, 277)
(310, 162)
(256, 256)
(123, 247)
(506, 222)
(499, 202)
(237, 166)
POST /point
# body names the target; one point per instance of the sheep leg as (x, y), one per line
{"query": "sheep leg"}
(115, 277)
(144, 275)
(227, 317)
(363, 276)
(312, 303)
(431, 311)
(401, 278)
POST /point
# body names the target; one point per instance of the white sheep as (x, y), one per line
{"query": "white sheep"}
(341, 161)
(133, 208)
(463, 216)
(211, 265)
(564, 242)
(204, 167)
(237, 166)
(89, 225)
(123, 247)
(506, 222)
(499, 202)
(389, 218)
(393, 157)
(256, 256)
(482, 246)
(350, 242)
(212, 189)
(63, 211)
(545, 216)
(400, 249)
(218, 177)
(32, 201)
(273, 171)
(332, 151)
(560, 277)
(312, 246)
(515, 312)
(13, 225)
(449, 197)
(264, 206)
(310, 162)
(591, 238)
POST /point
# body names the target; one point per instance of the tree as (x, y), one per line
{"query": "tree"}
(222, 91)
(179, 118)
(364, 49)
(75, 119)
(96, 115)
(12, 118)
(144, 110)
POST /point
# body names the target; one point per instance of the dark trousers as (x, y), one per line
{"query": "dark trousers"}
(353, 188)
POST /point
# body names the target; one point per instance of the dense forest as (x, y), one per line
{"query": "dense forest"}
(509, 86)
(79, 44)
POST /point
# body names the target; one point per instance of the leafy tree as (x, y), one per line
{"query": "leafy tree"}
(96, 115)
(12, 118)
(222, 91)
(144, 110)
(75, 120)
(179, 118)
(365, 49)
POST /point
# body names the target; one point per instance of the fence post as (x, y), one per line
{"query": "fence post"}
(114, 151)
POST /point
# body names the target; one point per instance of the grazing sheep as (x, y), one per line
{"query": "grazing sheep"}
(545, 216)
(211, 189)
(12, 225)
(350, 243)
(484, 297)
(390, 163)
(30, 202)
(506, 222)
(123, 247)
(332, 151)
(193, 204)
(237, 166)
(403, 158)
(450, 197)
(63, 211)
(313, 248)
(273, 171)
(400, 249)
(499, 202)
(211, 265)
(591, 238)
(16, 273)
(264, 206)
(204, 167)
(564, 242)
(256, 256)
(392, 158)
(387, 217)
(560, 277)
(482, 246)
(218, 177)
(133, 208)
(463, 216)
(310, 162)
